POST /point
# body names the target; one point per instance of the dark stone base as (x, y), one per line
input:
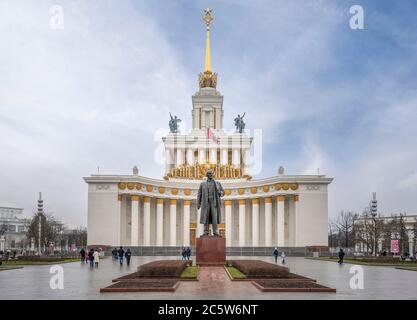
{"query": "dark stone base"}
(211, 251)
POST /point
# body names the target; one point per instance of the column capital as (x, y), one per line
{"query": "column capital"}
(255, 201)
(296, 197)
(135, 198)
(268, 200)
(228, 202)
(187, 202)
(147, 199)
(242, 201)
(160, 201)
(281, 197)
(173, 201)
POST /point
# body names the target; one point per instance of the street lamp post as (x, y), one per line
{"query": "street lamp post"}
(374, 212)
(40, 214)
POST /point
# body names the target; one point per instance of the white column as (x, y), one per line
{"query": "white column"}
(224, 155)
(213, 155)
(180, 156)
(242, 223)
(146, 221)
(228, 221)
(280, 221)
(268, 222)
(410, 243)
(168, 159)
(173, 222)
(186, 226)
(190, 156)
(159, 222)
(200, 227)
(134, 221)
(255, 222)
(201, 155)
(236, 157)
(297, 240)
(245, 158)
(119, 221)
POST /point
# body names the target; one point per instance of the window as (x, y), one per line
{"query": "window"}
(20, 228)
(12, 228)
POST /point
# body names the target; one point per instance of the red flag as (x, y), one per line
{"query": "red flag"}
(211, 136)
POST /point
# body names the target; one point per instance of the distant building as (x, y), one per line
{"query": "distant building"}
(12, 228)
(407, 234)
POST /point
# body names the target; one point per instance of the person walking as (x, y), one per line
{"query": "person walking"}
(183, 253)
(341, 255)
(188, 253)
(276, 254)
(91, 258)
(96, 256)
(82, 255)
(121, 253)
(128, 254)
(283, 256)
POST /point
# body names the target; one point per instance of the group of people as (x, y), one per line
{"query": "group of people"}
(186, 253)
(276, 254)
(92, 256)
(119, 254)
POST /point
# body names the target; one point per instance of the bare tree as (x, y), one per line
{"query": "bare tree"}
(344, 224)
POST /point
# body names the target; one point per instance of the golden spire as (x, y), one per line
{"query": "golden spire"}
(208, 78)
(208, 18)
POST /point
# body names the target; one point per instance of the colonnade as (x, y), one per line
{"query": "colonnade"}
(269, 235)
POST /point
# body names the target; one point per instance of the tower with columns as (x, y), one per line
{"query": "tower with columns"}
(280, 211)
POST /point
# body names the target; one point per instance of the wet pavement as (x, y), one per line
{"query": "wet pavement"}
(33, 282)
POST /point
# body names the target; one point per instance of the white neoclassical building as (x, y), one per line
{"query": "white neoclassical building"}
(133, 210)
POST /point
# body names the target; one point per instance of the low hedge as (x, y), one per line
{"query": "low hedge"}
(163, 268)
(44, 258)
(259, 269)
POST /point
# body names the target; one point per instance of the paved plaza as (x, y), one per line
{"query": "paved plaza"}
(82, 283)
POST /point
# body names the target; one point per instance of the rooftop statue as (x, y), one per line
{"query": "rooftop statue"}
(239, 123)
(173, 123)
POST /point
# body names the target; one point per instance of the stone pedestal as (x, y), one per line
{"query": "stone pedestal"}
(211, 251)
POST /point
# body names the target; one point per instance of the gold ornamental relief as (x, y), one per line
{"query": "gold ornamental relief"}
(122, 185)
(174, 191)
(207, 79)
(149, 188)
(187, 192)
(294, 186)
(254, 190)
(138, 186)
(130, 185)
(161, 190)
(285, 186)
(278, 186)
(241, 191)
(265, 188)
(198, 171)
(227, 192)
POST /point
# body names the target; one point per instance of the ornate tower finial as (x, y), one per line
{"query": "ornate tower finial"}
(208, 18)
(208, 78)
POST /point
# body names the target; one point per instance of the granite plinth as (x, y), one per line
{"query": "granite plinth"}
(211, 251)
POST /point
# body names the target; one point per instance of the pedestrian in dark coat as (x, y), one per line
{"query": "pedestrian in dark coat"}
(276, 254)
(188, 253)
(121, 253)
(128, 254)
(341, 255)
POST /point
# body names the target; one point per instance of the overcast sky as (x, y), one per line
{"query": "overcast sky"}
(97, 92)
